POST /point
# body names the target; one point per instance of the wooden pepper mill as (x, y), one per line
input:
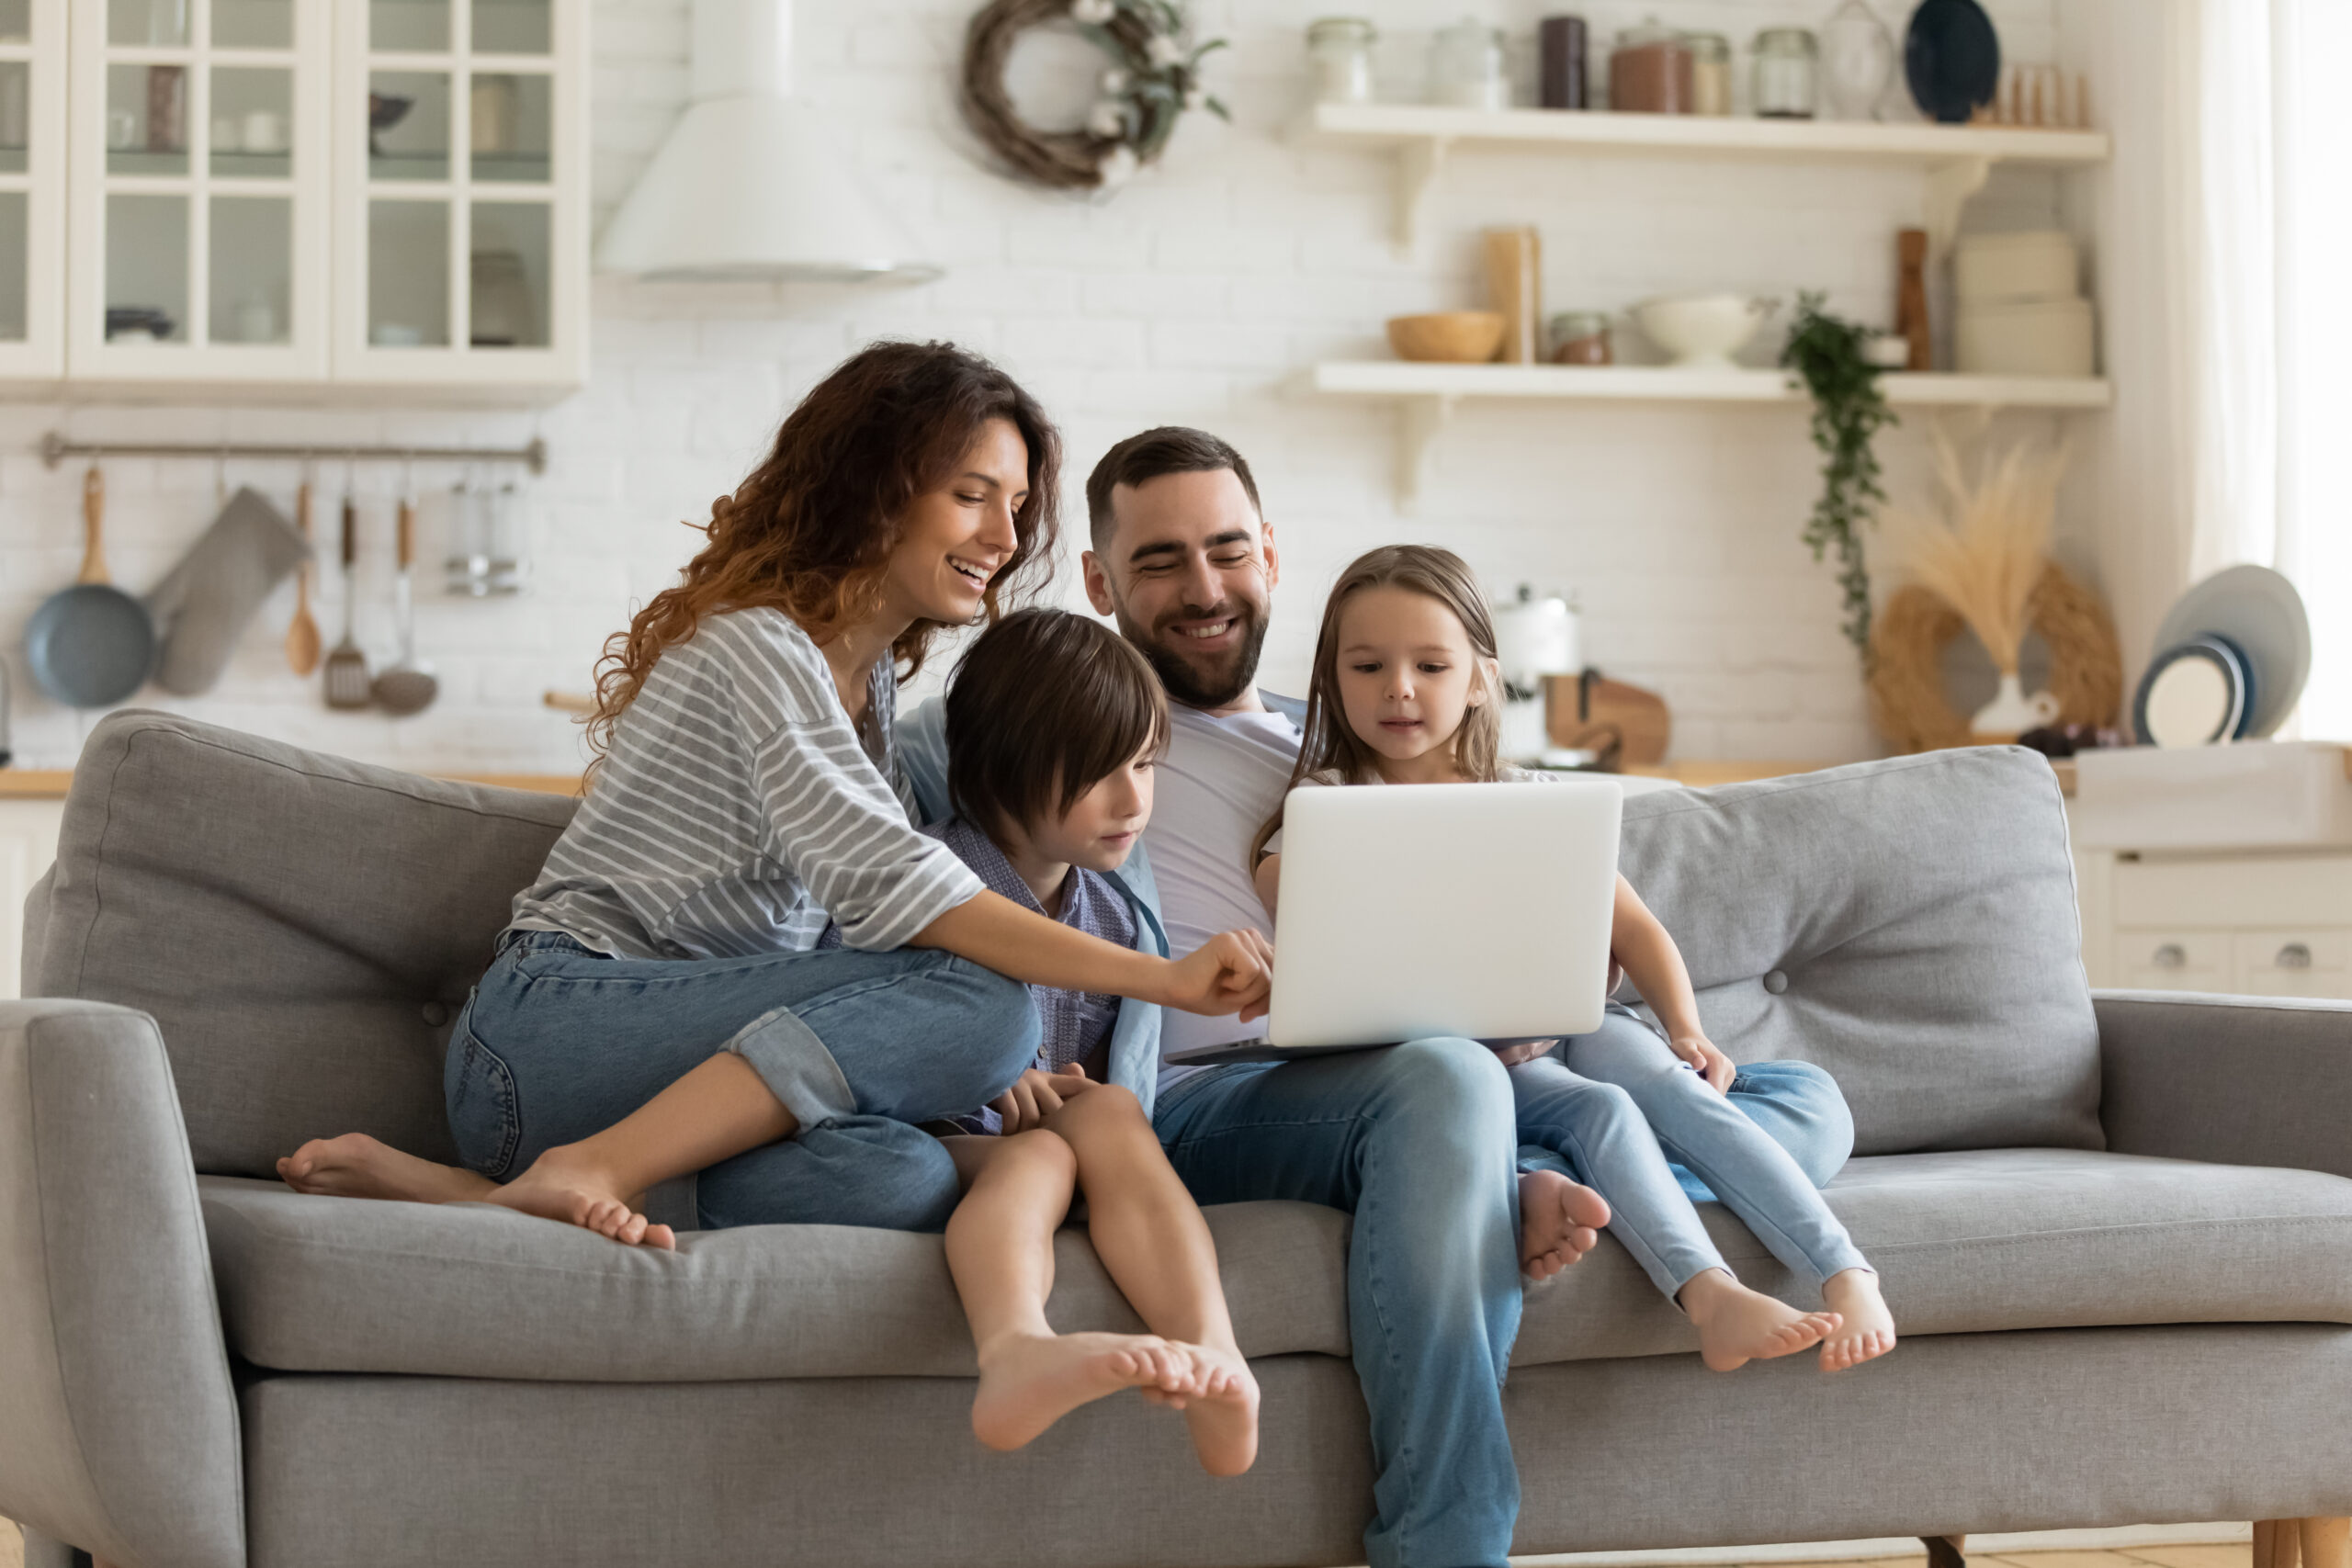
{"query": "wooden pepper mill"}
(1911, 298)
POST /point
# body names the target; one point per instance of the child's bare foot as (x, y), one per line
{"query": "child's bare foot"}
(1738, 1325)
(1868, 1329)
(357, 1165)
(1223, 1415)
(561, 1186)
(1559, 1221)
(1028, 1382)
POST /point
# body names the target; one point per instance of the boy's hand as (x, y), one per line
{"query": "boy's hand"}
(1038, 1095)
(1231, 972)
(1712, 1065)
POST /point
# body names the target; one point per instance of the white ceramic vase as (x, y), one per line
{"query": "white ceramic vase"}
(2012, 713)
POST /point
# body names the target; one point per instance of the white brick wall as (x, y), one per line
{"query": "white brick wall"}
(1191, 297)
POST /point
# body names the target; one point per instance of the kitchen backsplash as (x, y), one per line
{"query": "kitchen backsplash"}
(1194, 296)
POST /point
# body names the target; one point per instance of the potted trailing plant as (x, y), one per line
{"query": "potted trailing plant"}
(1848, 410)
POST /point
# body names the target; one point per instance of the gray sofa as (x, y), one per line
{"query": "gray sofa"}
(2117, 1231)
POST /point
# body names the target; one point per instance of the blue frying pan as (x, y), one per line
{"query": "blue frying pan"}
(92, 645)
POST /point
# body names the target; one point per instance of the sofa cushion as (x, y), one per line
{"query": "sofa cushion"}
(1973, 1242)
(303, 927)
(341, 1284)
(1910, 925)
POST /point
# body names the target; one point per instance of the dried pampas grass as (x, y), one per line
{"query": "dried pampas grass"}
(1987, 558)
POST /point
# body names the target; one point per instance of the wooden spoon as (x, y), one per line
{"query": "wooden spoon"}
(302, 633)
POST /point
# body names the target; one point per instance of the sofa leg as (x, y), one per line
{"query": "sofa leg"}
(2278, 1544)
(1951, 1552)
(2327, 1543)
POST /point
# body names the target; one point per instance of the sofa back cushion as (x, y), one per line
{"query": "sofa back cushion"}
(1910, 925)
(303, 927)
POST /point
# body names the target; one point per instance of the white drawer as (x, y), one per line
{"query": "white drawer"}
(2294, 963)
(2175, 961)
(2249, 893)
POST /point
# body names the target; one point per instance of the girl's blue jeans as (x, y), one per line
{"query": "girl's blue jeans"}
(559, 1042)
(1612, 1109)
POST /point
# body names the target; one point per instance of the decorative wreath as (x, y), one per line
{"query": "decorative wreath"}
(1154, 76)
(1907, 699)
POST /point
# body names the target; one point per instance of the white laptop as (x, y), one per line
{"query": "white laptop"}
(1413, 910)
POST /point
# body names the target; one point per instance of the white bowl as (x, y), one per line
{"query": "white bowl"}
(1703, 331)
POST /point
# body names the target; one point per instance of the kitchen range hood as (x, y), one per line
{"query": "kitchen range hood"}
(749, 183)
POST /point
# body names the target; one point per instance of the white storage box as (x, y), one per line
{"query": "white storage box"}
(2045, 337)
(1999, 268)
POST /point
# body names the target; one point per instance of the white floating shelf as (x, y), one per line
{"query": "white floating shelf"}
(1428, 395)
(1955, 158)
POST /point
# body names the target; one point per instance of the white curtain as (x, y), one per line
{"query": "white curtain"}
(2264, 161)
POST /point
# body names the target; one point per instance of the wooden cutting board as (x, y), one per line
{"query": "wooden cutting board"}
(1587, 711)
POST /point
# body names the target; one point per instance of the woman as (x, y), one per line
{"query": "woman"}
(654, 1007)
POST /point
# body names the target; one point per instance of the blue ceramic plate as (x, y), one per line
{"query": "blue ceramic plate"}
(2194, 694)
(1951, 57)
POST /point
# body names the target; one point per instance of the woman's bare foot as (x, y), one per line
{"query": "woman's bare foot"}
(1559, 1221)
(1028, 1382)
(1868, 1329)
(357, 1165)
(1223, 1417)
(562, 1186)
(1738, 1325)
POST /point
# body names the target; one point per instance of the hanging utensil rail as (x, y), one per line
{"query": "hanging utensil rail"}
(55, 449)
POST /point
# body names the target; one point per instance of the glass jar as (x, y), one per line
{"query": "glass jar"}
(1856, 61)
(1710, 74)
(1467, 67)
(1649, 70)
(1786, 65)
(1581, 337)
(1340, 47)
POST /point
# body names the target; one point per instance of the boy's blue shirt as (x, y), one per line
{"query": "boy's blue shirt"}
(1134, 1037)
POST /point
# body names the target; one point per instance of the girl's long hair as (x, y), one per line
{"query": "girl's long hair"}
(811, 531)
(1331, 747)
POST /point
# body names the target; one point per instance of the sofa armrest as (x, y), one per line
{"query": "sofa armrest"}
(119, 1432)
(2231, 1081)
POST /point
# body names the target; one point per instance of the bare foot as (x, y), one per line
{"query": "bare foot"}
(357, 1165)
(561, 1186)
(1028, 1382)
(1738, 1325)
(1559, 1221)
(1223, 1417)
(1867, 1330)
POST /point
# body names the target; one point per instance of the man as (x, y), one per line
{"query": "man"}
(1416, 1140)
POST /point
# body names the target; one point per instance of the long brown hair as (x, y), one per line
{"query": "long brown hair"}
(1331, 747)
(811, 531)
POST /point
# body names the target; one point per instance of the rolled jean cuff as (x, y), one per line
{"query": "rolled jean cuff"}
(797, 1067)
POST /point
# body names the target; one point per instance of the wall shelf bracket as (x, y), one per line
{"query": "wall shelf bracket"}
(1950, 185)
(1419, 163)
(1420, 424)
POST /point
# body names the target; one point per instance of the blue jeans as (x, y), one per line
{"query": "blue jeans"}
(1610, 1106)
(1416, 1141)
(558, 1043)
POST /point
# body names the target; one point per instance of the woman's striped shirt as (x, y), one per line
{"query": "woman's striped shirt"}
(738, 810)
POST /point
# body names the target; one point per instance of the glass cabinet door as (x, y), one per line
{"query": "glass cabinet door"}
(33, 86)
(466, 226)
(200, 224)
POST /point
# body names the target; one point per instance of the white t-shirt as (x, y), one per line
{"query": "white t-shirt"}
(1221, 778)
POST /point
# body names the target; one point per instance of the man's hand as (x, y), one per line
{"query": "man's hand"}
(1525, 1051)
(1712, 1065)
(1037, 1095)
(1231, 972)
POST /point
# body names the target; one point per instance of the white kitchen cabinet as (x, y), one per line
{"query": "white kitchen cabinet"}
(275, 199)
(27, 847)
(461, 224)
(2270, 925)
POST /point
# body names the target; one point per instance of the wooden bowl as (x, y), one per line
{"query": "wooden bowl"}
(1449, 337)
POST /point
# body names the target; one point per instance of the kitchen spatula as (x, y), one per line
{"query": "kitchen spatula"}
(347, 686)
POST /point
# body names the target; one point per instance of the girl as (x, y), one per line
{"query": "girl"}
(1053, 726)
(656, 1006)
(1404, 682)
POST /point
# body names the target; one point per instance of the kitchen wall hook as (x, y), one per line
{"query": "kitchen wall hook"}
(55, 449)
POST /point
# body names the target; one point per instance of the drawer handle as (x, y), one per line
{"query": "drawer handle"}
(2294, 955)
(2171, 955)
